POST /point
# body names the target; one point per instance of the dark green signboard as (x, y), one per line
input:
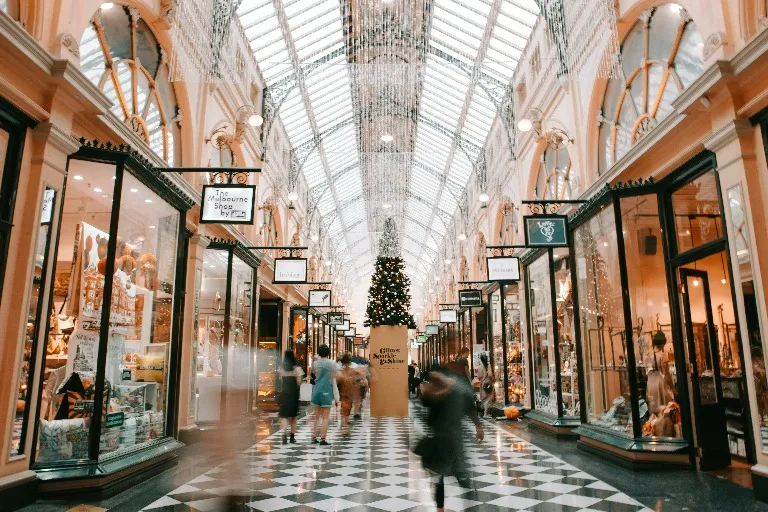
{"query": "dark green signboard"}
(470, 298)
(116, 419)
(546, 230)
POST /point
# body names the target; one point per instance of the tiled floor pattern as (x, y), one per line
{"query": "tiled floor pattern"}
(374, 469)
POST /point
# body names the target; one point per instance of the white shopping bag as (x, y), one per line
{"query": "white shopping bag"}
(305, 392)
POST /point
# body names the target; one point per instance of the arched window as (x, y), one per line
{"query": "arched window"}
(661, 56)
(556, 181)
(122, 57)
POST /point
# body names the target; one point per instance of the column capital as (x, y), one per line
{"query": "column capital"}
(200, 241)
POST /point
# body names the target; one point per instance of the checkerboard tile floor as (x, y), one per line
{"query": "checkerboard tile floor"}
(375, 469)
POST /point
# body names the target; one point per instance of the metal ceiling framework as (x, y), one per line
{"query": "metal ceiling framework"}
(458, 56)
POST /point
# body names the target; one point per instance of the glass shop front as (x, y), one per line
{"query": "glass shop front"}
(107, 393)
(666, 246)
(505, 346)
(268, 348)
(225, 378)
(554, 361)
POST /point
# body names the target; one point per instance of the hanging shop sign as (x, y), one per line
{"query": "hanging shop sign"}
(433, 329)
(421, 338)
(335, 319)
(48, 197)
(546, 230)
(228, 204)
(503, 269)
(470, 298)
(448, 316)
(319, 298)
(290, 271)
(351, 332)
(359, 341)
(343, 327)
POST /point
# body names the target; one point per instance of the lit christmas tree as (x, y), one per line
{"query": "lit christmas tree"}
(389, 298)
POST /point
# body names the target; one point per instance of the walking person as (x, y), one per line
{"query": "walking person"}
(412, 378)
(449, 398)
(322, 394)
(349, 381)
(290, 385)
(487, 379)
(417, 380)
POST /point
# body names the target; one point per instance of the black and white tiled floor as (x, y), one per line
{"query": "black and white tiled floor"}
(374, 469)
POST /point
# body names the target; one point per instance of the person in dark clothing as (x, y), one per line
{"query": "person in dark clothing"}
(463, 361)
(290, 385)
(449, 397)
(412, 378)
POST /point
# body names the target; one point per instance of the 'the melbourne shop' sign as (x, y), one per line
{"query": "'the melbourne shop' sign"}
(228, 204)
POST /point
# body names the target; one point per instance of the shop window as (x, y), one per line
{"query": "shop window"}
(601, 313)
(661, 56)
(696, 207)
(35, 322)
(118, 369)
(566, 346)
(542, 335)
(740, 235)
(120, 54)
(497, 349)
(556, 181)
(654, 347)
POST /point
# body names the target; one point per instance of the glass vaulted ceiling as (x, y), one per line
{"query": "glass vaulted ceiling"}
(458, 47)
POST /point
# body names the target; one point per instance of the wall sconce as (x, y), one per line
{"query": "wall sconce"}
(556, 138)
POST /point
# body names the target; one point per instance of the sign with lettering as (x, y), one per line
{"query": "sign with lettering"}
(503, 269)
(228, 204)
(351, 332)
(359, 341)
(421, 338)
(290, 271)
(433, 329)
(319, 298)
(115, 419)
(335, 319)
(470, 298)
(448, 316)
(546, 230)
(47, 214)
(344, 326)
(388, 358)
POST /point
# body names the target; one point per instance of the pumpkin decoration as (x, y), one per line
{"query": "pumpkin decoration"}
(102, 266)
(102, 242)
(511, 412)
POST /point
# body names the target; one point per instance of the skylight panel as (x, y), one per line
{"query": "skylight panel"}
(351, 186)
(524, 11)
(447, 202)
(418, 211)
(353, 212)
(336, 229)
(438, 227)
(424, 184)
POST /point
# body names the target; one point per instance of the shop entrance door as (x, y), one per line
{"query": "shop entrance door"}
(704, 369)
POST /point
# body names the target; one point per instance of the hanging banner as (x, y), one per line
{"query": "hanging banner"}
(319, 298)
(433, 329)
(546, 230)
(448, 316)
(290, 271)
(470, 298)
(335, 319)
(228, 204)
(503, 269)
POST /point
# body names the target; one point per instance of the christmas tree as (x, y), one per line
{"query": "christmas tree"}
(389, 299)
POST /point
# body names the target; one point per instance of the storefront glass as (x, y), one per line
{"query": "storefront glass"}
(542, 335)
(299, 337)
(515, 352)
(210, 356)
(654, 347)
(139, 346)
(239, 338)
(601, 314)
(35, 323)
(566, 333)
(740, 236)
(497, 348)
(696, 207)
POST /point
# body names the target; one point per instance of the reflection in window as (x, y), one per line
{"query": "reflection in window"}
(649, 301)
(603, 336)
(515, 351)
(696, 207)
(661, 56)
(740, 233)
(569, 373)
(122, 57)
(555, 178)
(542, 335)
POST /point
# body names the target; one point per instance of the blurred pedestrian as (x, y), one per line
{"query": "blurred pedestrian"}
(322, 393)
(487, 379)
(449, 398)
(417, 379)
(463, 361)
(290, 385)
(412, 378)
(349, 381)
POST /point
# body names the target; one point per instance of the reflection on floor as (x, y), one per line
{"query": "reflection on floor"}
(376, 470)
(738, 472)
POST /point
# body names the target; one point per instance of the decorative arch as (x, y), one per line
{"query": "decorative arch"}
(662, 54)
(555, 177)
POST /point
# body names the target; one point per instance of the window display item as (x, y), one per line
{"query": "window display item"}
(150, 368)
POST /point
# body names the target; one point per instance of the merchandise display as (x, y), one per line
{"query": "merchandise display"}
(137, 339)
(516, 353)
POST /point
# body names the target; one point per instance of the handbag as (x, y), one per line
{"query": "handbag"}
(305, 392)
(487, 386)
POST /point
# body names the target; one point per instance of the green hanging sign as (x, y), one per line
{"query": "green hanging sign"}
(546, 230)
(421, 338)
(116, 419)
